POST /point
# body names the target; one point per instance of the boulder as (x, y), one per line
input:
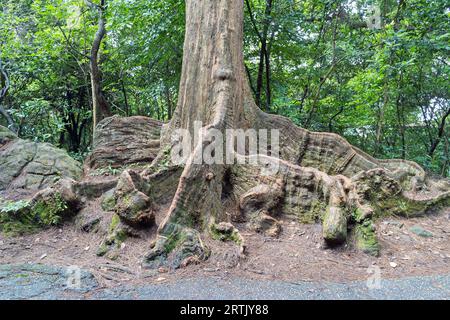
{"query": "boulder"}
(6, 135)
(122, 141)
(48, 207)
(33, 166)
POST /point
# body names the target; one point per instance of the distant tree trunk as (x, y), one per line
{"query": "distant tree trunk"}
(268, 74)
(100, 106)
(264, 56)
(401, 125)
(169, 102)
(447, 157)
(441, 133)
(4, 85)
(380, 120)
(125, 95)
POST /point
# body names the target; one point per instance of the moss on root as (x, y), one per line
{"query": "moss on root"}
(113, 242)
(315, 213)
(401, 206)
(163, 163)
(25, 216)
(228, 235)
(108, 202)
(174, 245)
(366, 239)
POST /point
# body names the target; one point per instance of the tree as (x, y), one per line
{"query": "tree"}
(100, 106)
(4, 85)
(264, 52)
(320, 174)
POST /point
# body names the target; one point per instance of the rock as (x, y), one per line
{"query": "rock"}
(163, 270)
(394, 223)
(120, 141)
(418, 230)
(95, 188)
(47, 207)
(393, 264)
(88, 222)
(31, 165)
(6, 135)
(136, 209)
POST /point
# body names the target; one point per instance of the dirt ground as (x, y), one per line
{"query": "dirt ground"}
(297, 255)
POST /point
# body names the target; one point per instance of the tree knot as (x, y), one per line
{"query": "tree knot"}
(224, 74)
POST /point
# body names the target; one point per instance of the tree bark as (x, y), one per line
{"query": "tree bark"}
(441, 133)
(100, 106)
(264, 55)
(5, 83)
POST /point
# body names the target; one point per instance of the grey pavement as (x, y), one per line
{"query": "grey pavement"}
(50, 282)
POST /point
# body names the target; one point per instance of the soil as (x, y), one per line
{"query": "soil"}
(298, 254)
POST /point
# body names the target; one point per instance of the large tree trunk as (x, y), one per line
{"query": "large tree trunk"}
(319, 174)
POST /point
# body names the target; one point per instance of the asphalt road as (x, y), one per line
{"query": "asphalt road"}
(50, 282)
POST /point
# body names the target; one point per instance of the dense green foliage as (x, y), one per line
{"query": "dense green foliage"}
(385, 88)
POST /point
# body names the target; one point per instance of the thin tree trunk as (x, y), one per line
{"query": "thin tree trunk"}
(5, 84)
(441, 133)
(100, 106)
(380, 120)
(264, 58)
(269, 74)
(125, 95)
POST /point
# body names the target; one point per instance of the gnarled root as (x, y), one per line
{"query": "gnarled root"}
(175, 246)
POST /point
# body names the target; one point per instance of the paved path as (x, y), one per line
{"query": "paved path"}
(49, 282)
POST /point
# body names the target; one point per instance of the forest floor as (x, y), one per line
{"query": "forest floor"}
(298, 255)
